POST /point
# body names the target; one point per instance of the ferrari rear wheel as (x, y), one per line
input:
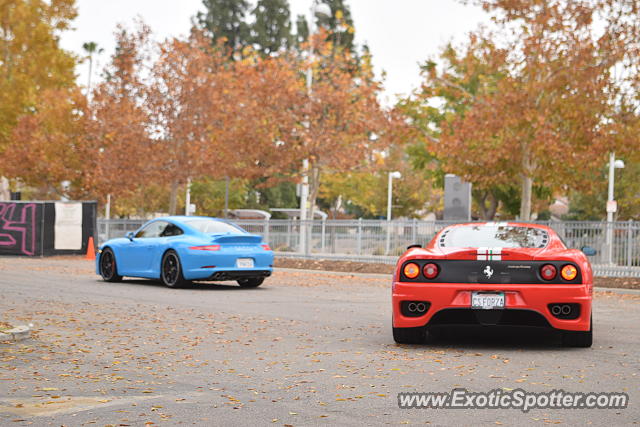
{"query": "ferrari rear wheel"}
(108, 267)
(253, 282)
(171, 270)
(578, 338)
(409, 335)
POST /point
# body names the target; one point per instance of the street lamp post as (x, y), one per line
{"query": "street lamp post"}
(392, 175)
(611, 203)
(317, 8)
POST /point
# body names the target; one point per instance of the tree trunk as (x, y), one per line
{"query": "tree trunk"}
(173, 198)
(314, 189)
(527, 184)
(525, 200)
(488, 212)
(5, 192)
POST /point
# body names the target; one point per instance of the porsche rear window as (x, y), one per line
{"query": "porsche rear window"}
(505, 236)
(211, 226)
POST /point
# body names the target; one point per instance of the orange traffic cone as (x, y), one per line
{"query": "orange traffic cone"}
(91, 250)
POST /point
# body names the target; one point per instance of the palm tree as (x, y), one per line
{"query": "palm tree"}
(91, 48)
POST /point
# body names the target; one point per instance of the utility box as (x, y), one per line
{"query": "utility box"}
(457, 199)
(43, 228)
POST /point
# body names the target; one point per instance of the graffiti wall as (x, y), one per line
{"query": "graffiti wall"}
(18, 228)
(46, 228)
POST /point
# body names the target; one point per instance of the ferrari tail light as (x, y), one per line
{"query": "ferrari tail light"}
(205, 248)
(548, 272)
(411, 270)
(569, 272)
(430, 270)
(266, 247)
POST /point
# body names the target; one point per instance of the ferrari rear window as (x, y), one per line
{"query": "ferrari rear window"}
(211, 226)
(505, 236)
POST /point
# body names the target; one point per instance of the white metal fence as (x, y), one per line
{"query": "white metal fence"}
(617, 244)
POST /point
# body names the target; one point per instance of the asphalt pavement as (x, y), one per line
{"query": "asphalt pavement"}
(303, 349)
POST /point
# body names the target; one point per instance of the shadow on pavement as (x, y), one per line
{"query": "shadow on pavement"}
(496, 337)
(197, 286)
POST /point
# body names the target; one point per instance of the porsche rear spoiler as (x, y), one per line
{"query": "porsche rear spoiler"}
(236, 238)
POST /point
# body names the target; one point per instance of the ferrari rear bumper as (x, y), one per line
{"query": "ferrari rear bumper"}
(450, 303)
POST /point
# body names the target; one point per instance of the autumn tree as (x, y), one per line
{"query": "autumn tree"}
(345, 120)
(31, 60)
(117, 137)
(545, 100)
(51, 141)
(455, 79)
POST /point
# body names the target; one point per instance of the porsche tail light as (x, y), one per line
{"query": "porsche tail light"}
(266, 247)
(569, 272)
(205, 248)
(411, 270)
(430, 270)
(548, 272)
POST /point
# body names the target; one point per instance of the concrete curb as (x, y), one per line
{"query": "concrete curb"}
(618, 290)
(19, 333)
(339, 273)
(388, 276)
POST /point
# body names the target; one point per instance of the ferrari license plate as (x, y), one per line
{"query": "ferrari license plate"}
(487, 300)
(244, 263)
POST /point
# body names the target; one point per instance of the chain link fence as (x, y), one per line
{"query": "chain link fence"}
(617, 244)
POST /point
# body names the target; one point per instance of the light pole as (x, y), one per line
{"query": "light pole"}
(392, 175)
(611, 203)
(317, 8)
(187, 199)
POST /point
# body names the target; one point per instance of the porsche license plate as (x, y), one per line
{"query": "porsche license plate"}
(244, 263)
(487, 300)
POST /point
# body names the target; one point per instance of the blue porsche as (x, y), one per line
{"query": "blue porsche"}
(179, 249)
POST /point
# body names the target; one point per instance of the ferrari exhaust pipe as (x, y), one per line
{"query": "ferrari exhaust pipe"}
(566, 309)
(420, 307)
(556, 310)
(412, 307)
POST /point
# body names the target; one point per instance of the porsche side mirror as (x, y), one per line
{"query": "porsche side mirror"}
(413, 246)
(588, 251)
(129, 235)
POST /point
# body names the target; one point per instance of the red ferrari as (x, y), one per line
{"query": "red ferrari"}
(493, 274)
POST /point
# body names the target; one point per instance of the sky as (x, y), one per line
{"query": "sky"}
(400, 33)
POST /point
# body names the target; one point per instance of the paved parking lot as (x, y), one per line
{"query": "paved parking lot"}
(303, 349)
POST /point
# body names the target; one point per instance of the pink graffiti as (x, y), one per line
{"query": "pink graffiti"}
(25, 226)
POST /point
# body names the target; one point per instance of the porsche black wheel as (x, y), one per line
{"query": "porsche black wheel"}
(582, 339)
(171, 270)
(409, 335)
(108, 267)
(253, 282)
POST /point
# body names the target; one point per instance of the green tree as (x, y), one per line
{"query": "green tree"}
(92, 49)
(339, 26)
(225, 19)
(302, 30)
(271, 30)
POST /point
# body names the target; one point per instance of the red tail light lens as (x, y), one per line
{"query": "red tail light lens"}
(205, 248)
(569, 272)
(266, 247)
(430, 270)
(411, 270)
(548, 272)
